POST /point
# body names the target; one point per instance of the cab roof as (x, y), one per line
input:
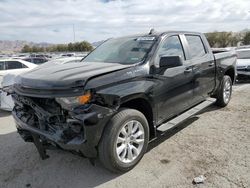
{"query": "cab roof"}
(159, 34)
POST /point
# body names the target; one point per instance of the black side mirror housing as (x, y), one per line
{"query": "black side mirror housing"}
(170, 61)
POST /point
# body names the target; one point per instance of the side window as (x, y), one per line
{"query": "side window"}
(13, 65)
(38, 61)
(196, 46)
(2, 65)
(171, 47)
(24, 66)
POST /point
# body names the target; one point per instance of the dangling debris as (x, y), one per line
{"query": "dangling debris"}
(199, 179)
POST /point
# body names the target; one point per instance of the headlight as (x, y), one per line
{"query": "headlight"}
(71, 102)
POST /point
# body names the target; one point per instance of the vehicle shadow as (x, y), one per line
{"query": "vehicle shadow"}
(245, 81)
(168, 134)
(209, 109)
(21, 166)
(4, 113)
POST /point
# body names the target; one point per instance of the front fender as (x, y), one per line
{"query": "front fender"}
(130, 90)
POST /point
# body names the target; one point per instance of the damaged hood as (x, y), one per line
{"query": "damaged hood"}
(65, 75)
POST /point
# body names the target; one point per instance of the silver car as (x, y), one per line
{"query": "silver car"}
(243, 63)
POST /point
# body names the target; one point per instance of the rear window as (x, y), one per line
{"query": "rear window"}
(196, 46)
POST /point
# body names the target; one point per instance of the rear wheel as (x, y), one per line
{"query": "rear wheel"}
(124, 141)
(225, 92)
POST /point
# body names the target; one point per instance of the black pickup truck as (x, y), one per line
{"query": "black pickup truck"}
(124, 94)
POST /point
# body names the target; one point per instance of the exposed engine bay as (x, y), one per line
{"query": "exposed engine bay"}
(44, 122)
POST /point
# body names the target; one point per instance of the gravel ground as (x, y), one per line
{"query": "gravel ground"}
(215, 143)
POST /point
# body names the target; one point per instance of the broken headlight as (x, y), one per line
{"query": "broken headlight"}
(69, 103)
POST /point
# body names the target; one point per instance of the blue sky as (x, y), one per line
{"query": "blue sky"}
(94, 20)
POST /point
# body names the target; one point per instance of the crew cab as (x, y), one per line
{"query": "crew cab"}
(124, 94)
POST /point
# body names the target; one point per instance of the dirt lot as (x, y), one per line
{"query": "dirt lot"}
(215, 143)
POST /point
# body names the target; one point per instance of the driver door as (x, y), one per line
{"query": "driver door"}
(175, 89)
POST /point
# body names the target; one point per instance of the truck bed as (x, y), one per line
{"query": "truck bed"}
(225, 58)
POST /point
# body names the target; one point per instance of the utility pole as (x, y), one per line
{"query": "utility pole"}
(74, 32)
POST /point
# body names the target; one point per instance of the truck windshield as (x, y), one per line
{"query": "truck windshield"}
(127, 50)
(244, 54)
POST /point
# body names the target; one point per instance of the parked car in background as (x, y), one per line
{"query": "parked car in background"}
(36, 60)
(41, 55)
(243, 63)
(68, 55)
(60, 61)
(14, 66)
(6, 102)
(9, 68)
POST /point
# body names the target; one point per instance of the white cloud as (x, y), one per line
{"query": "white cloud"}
(94, 20)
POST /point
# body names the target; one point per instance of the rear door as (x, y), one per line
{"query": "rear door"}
(174, 90)
(203, 67)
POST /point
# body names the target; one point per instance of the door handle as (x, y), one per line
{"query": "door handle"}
(188, 70)
(211, 64)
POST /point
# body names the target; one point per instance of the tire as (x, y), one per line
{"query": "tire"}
(225, 92)
(109, 147)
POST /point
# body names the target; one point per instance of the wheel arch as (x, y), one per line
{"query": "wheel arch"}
(142, 105)
(231, 73)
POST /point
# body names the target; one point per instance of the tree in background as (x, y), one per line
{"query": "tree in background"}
(71, 47)
(26, 49)
(212, 38)
(236, 39)
(223, 39)
(246, 38)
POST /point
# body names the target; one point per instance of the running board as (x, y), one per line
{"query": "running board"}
(172, 123)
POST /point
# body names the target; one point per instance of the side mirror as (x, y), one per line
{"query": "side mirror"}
(170, 61)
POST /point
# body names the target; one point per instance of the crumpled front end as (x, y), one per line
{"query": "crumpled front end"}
(44, 122)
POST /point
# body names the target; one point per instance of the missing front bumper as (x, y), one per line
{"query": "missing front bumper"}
(91, 120)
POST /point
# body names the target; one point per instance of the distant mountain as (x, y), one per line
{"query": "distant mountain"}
(7, 46)
(245, 30)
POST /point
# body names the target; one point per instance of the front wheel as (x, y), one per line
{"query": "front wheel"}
(224, 92)
(124, 141)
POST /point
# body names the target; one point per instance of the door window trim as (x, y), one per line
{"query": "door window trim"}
(163, 40)
(188, 46)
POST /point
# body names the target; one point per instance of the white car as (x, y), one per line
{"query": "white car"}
(62, 60)
(14, 66)
(6, 102)
(9, 68)
(243, 63)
